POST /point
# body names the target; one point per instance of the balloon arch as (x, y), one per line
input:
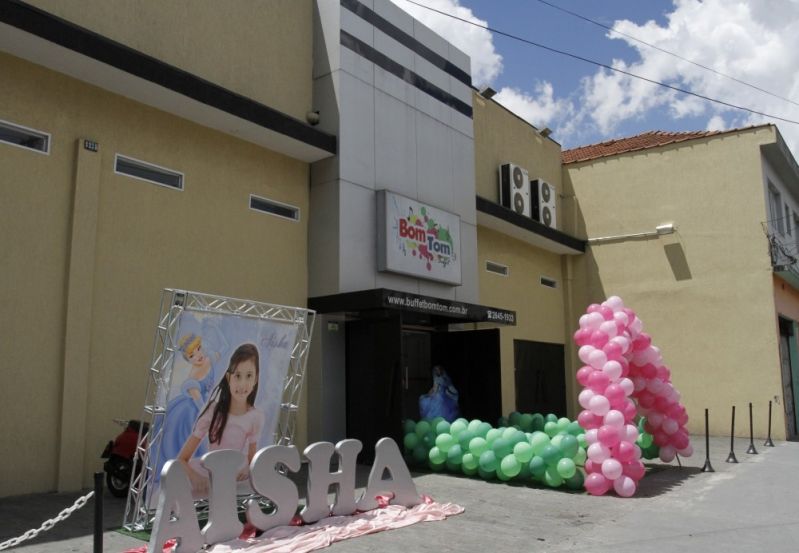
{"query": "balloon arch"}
(624, 376)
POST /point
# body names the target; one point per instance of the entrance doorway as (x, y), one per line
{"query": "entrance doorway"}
(788, 362)
(540, 373)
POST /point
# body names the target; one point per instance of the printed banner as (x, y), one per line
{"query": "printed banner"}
(418, 240)
(225, 390)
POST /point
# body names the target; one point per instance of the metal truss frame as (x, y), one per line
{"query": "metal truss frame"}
(138, 514)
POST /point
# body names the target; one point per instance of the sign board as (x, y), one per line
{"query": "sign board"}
(417, 240)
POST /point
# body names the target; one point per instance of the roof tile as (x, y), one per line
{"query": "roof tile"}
(641, 141)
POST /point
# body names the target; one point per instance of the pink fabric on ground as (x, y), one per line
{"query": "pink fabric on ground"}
(301, 539)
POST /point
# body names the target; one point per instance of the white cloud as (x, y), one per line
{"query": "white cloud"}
(474, 41)
(539, 109)
(756, 41)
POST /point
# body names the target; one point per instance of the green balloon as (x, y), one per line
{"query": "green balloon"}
(524, 472)
(477, 446)
(551, 455)
(552, 478)
(501, 447)
(515, 418)
(492, 435)
(580, 457)
(509, 433)
(510, 466)
(575, 429)
(419, 454)
(566, 468)
(468, 471)
(488, 461)
(537, 467)
(442, 427)
(551, 417)
(458, 426)
(581, 439)
(569, 446)
(486, 474)
(576, 481)
(526, 422)
(539, 441)
(411, 441)
(437, 456)
(470, 461)
(436, 466)
(483, 429)
(645, 440)
(538, 422)
(464, 438)
(556, 440)
(408, 426)
(445, 442)
(429, 440)
(523, 452)
(455, 455)
(436, 420)
(551, 428)
(502, 422)
(422, 428)
(563, 424)
(474, 424)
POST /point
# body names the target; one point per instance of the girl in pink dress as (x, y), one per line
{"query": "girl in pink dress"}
(230, 420)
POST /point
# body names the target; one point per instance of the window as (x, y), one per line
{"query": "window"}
(497, 268)
(23, 137)
(148, 172)
(774, 205)
(788, 221)
(549, 282)
(274, 208)
(796, 226)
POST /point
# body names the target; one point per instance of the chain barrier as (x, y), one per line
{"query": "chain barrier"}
(47, 524)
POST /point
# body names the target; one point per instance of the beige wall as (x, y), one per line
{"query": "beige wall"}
(262, 50)
(501, 137)
(145, 238)
(705, 293)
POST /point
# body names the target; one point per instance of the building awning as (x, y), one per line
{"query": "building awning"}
(439, 310)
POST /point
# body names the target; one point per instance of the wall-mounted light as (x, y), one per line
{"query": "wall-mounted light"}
(660, 230)
(487, 92)
(545, 132)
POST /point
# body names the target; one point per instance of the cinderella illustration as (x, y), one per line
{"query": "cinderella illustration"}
(184, 408)
(442, 399)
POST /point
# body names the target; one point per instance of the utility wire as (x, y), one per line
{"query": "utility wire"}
(603, 65)
(658, 48)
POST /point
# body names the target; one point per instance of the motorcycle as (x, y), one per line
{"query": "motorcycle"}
(119, 454)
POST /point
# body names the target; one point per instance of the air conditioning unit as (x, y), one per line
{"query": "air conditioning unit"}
(545, 202)
(514, 189)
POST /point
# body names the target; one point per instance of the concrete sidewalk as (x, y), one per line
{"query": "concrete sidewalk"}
(753, 505)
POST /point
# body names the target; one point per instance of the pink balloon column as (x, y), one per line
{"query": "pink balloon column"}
(620, 364)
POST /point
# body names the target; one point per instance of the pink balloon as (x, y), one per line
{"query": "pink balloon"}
(598, 381)
(660, 438)
(680, 439)
(642, 342)
(608, 435)
(587, 420)
(623, 342)
(625, 451)
(639, 383)
(648, 371)
(612, 350)
(583, 373)
(599, 405)
(606, 312)
(614, 392)
(624, 486)
(598, 339)
(655, 386)
(582, 336)
(655, 419)
(646, 399)
(629, 410)
(670, 426)
(611, 469)
(664, 373)
(634, 469)
(662, 404)
(687, 451)
(593, 307)
(614, 418)
(667, 454)
(590, 467)
(596, 484)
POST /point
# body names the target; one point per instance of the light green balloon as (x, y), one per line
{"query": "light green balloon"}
(581, 439)
(523, 452)
(566, 468)
(442, 427)
(470, 461)
(552, 478)
(509, 433)
(580, 457)
(455, 455)
(539, 441)
(474, 424)
(492, 435)
(483, 429)
(551, 417)
(563, 424)
(436, 456)
(510, 466)
(469, 471)
(445, 442)
(477, 446)
(458, 426)
(436, 420)
(551, 429)
(556, 440)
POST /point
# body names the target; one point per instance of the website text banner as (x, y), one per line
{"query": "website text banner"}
(418, 240)
(436, 306)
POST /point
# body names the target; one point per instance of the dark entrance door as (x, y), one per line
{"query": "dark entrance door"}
(471, 358)
(373, 382)
(540, 377)
(787, 362)
(416, 364)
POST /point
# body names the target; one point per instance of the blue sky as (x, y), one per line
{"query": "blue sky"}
(756, 41)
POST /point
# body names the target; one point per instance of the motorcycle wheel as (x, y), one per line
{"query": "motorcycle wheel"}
(118, 481)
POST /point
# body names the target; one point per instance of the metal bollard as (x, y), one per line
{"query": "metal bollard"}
(731, 457)
(751, 450)
(98, 512)
(707, 466)
(768, 442)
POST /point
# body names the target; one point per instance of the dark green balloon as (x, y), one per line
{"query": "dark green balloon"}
(488, 461)
(537, 467)
(576, 481)
(569, 446)
(408, 426)
(419, 454)
(486, 474)
(455, 455)
(515, 418)
(538, 422)
(551, 417)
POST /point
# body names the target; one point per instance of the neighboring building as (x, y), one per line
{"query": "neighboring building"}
(720, 294)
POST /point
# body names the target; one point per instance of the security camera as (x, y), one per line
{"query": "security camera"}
(312, 117)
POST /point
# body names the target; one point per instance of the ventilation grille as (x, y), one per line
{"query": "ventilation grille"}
(497, 268)
(549, 282)
(274, 208)
(24, 137)
(148, 172)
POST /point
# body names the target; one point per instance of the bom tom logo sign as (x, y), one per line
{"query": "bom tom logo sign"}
(418, 240)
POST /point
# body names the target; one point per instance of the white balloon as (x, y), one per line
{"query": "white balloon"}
(630, 433)
(611, 469)
(687, 451)
(614, 302)
(623, 342)
(639, 382)
(621, 317)
(597, 358)
(591, 436)
(614, 418)
(670, 426)
(598, 453)
(627, 385)
(594, 320)
(584, 399)
(655, 386)
(667, 453)
(584, 352)
(624, 486)
(613, 370)
(584, 321)
(636, 326)
(599, 405)
(609, 328)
